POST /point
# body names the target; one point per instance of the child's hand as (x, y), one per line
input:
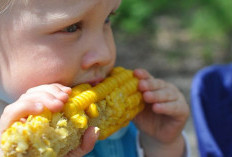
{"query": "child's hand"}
(89, 139)
(51, 96)
(166, 110)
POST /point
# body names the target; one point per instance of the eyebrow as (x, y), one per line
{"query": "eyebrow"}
(58, 17)
(72, 12)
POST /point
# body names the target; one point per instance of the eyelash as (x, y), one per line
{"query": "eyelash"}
(108, 18)
(77, 26)
(72, 28)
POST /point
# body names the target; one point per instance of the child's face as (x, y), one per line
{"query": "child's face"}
(55, 41)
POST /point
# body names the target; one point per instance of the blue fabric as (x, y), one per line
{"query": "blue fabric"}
(211, 98)
(125, 146)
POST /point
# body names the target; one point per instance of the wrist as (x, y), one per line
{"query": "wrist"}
(153, 147)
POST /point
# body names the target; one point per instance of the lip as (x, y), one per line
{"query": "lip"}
(95, 81)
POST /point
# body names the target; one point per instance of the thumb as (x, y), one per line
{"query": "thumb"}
(89, 139)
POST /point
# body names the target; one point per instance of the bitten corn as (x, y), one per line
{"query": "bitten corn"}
(109, 105)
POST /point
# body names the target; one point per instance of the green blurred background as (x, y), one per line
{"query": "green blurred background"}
(174, 39)
(206, 25)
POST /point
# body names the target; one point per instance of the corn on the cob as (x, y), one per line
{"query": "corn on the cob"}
(109, 105)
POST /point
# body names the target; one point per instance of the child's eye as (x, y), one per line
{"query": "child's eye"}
(72, 28)
(107, 20)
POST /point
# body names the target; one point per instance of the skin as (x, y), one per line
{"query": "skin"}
(40, 62)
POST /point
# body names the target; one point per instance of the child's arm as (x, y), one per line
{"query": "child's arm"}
(163, 118)
(52, 97)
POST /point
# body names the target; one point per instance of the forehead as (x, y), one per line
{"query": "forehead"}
(71, 5)
(57, 10)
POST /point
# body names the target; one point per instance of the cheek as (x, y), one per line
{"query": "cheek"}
(29, 60)
(109, 37)
(38, 72)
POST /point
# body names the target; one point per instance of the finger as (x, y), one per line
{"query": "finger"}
(59, 91)
(65, 89)
(47, 86)
(89, 139)
(18, 110)
(159, 96)
(141, 74)
(51, 102)
(176, 109)
(151, 84)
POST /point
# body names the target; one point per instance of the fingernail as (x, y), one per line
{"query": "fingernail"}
(63, 94)
(96, 130)
(23, 120)
(67, 89)
(157, 106)
(39, 106)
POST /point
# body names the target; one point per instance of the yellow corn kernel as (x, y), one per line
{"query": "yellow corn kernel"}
(92, 111)
(80, 120)
(49, 153)
(80, 88)
(46, 114)
(109, 105)
(71, 108)
(117, 70)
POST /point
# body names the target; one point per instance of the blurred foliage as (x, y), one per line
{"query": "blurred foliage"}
(212, 19)
(208, 19)
(133, 15)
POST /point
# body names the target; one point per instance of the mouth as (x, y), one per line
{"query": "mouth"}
(92, 77)
(95, 81)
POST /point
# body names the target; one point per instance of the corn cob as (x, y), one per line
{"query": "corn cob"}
(110, 105)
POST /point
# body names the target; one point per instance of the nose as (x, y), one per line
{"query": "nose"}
(100, 51)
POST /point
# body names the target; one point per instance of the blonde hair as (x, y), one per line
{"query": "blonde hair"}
(4, 5)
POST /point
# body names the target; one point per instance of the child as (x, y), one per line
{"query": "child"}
(46, 47)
